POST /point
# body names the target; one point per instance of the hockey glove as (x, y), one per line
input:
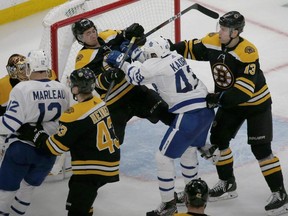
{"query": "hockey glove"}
(114, 58)
(210, 153)
(172, 45)
(134, 30)
(35, 134)
(213, 100)
(135, 53)
(115, 74)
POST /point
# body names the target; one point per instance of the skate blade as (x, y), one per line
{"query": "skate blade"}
(225, 196)
(280, 211)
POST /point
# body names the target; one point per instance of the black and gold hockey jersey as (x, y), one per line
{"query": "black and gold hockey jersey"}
(94, 59)
(86, 131)
(236, 71)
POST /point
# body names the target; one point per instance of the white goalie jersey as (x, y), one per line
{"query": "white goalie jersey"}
(172, 78)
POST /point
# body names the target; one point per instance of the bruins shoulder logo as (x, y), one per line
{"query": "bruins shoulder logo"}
(249, 50)
(211, 34)
(79, 57)
(69, 110)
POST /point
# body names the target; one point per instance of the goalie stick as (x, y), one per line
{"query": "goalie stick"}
(195, 6)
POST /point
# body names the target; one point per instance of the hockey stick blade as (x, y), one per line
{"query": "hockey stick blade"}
(207, 11)
(196, 6)
(58, 165)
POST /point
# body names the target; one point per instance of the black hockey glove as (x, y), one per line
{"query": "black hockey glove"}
(134, 30)
(115, 74)
(172, 45)
(213, 100)
(35, 134)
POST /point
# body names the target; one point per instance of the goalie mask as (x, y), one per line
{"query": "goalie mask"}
(79, 27)
(196, 193)
(156, 47)
(234, 20)
(16, 67)
(84, 79)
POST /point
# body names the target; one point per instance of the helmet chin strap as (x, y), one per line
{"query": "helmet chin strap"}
(227, 44)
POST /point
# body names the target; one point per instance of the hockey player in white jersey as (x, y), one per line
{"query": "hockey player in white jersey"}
(38, 100)
(174, 80)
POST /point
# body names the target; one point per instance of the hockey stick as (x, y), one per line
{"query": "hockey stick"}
(57, 167)
(132, 41)
(196, 6)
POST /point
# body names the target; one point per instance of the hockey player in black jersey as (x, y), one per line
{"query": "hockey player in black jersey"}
(125, 100)
(86, 130)
(241, 93)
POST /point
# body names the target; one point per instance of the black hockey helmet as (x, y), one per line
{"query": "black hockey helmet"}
(84, 79)
(196, 192)
(233, 19)
(79, 27)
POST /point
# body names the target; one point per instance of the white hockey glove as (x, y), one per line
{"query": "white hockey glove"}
(210, 153)
(135, 53)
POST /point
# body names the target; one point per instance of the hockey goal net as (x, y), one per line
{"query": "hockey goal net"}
(57, 39)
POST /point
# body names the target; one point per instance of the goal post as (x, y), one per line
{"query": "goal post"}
(57, 38)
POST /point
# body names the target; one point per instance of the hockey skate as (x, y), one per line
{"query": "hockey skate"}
(278, 203)
(165, 209)
(223, 190)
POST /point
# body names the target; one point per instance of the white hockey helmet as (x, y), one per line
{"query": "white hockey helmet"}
(37, 61)
(156, 47)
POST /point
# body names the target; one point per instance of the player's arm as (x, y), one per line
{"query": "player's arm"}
(195, 49)
(14, 115)
(49, 144)
(244, 87)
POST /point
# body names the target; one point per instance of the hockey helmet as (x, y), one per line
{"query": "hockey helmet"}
(233, 19)
(37, 60)
(196, 192)
(156, 47)
(79, 27)
(84, 79)
(16, 67)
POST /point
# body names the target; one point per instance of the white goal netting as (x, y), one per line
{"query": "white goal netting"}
(149, 13)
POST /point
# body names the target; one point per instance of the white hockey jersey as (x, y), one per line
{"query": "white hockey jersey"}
(34, 101)
(172, 78)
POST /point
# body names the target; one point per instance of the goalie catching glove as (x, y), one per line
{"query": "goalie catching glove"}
(35, 134)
